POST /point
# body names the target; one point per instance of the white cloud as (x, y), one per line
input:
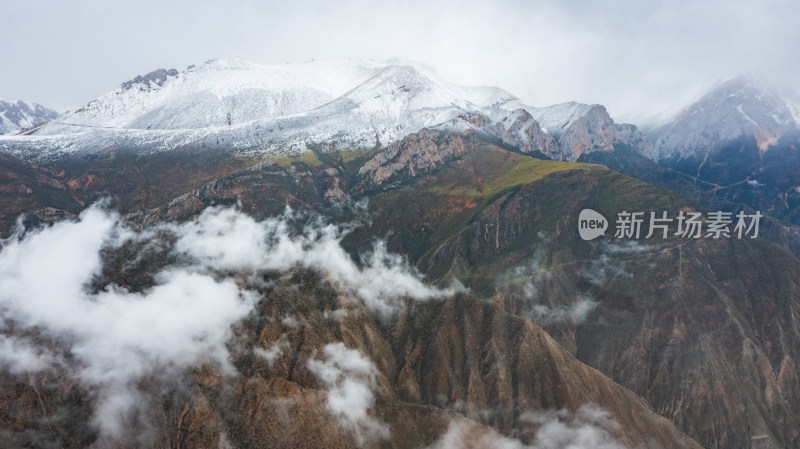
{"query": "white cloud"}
(349, 378)
(20, 357)
(587, 428)
(573, 313)
(226, 239)
(118, 335)
(612, 260)
(527, 281)
(290, 321)
(465, 434)
(270, 354)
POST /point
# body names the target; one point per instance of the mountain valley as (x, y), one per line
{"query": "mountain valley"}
(407, 247)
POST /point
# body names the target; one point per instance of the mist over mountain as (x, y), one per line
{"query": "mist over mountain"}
(358, 253)
(740, 107)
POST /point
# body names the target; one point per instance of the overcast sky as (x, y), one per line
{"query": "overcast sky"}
(638, 58)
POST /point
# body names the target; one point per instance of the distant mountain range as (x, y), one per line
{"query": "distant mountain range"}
(20, 115)
(287, 109)
(730, 142)
(363, 104)
(740, 107)
(741, 143)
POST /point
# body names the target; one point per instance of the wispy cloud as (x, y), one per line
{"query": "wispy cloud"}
(48, 279)
(587, 428)
(226, 239)
(20, 356)
(349, 378)
(528, 285)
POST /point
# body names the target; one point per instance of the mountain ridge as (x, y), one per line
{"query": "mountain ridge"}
(285, 109)
(17, 115)
(741, 106)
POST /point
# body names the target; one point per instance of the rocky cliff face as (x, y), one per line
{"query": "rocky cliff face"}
(580, 129)
(520, 130)
(415, 155)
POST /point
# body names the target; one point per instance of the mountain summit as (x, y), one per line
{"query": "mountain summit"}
(740, 107)
(327, 105)
(234, 91)
(275, 108)
(16, 115)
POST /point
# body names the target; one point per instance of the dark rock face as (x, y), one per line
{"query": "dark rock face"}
(146, 82)
(733, 179)
(739, 172)
(41, 194)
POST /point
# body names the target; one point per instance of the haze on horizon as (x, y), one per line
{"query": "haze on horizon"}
(639, 59)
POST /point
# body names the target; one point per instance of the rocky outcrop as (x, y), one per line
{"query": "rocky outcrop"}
(631, 136)
(580, 129)
(586, 130)
(146, 82)
(414, 155)
(592, 131)
(520, 130)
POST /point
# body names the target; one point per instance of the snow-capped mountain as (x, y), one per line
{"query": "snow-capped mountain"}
(329, 105)
(573, 129)
(742, 106)
(345, 104)
(15, 115)
(217, 93)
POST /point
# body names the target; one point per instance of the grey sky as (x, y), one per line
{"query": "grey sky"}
(638, 58)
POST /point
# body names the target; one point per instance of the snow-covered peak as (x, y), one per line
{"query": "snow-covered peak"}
(231, 91)
(575, 129)
(742, 106)
(217, 93)
(236, 104)
(405, 88)
(16, 115)
(234, 63)
(289, 108)
(557, 118)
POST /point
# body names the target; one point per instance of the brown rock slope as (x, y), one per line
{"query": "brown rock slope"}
(435, 362)
(708, 331)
